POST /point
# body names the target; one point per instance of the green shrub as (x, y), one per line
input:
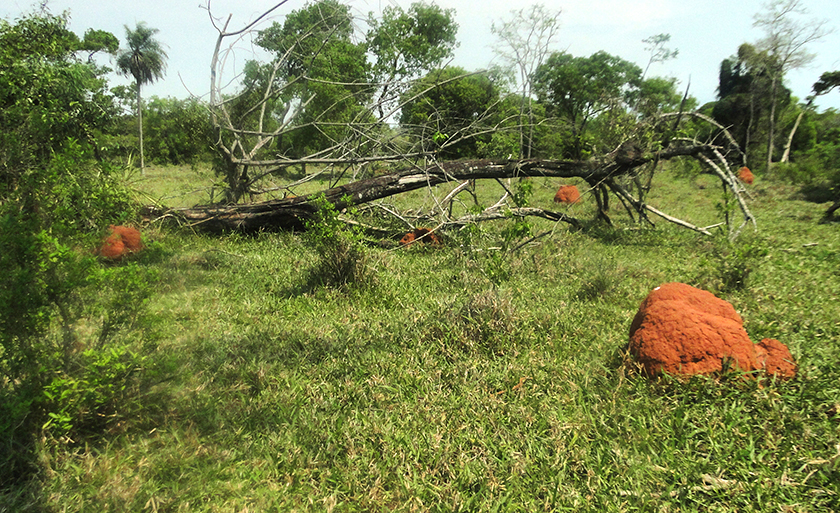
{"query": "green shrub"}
(68, 326)
(342, 261)
(728, 265)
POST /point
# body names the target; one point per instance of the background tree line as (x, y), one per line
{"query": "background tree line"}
(333, 92)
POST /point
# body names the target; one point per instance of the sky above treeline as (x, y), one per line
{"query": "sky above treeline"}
(704, 33)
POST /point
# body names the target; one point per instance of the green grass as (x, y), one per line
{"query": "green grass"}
(467, 379)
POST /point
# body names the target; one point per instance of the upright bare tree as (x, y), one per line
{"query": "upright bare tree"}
(784, 44)
(524, 41)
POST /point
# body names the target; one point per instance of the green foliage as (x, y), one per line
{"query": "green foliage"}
(181, 131)
(145, 58)
(323, 71)
(341, 259)
(728, 265)
(828, 81)
(449, 102)
(48, 95)
(99, 41)
(63, 376)
(656, 95)
(407, 43)
(577, 89)
(745, 93)
(100, 381)
(817, 166)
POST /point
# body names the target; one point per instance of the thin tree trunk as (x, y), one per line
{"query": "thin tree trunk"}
(771, 126)
(140, 128)
(786, 156)
(748, 136)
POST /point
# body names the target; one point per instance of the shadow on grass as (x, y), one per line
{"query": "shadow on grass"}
(18, 458)
(633, 235)
(819, 193)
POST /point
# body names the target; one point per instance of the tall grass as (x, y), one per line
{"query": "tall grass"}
(443, 388)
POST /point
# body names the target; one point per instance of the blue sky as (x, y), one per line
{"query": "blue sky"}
(705, 32)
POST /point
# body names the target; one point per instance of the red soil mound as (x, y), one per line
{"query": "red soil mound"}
(122, 241)
(683, 330)
(407, 239)
(567, 194)
(746, 175)
(775, 358)
(420, 234)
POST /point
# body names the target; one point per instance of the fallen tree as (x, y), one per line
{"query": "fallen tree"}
(600, 173)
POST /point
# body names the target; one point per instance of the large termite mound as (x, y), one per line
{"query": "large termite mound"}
(122, 241)
(680, 329)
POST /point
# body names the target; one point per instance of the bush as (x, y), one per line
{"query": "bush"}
(68, 360)
(342, 260)
(729, 264)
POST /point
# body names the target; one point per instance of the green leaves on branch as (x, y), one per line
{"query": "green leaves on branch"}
(406, 44)
(341, 258)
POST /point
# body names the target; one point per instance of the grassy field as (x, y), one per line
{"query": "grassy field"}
(469, 378)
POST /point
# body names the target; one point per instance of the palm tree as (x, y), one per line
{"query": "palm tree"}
(145, 60)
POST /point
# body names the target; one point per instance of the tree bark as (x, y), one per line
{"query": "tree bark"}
(786, 155)
(771, 128)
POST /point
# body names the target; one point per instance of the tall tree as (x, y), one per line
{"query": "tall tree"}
(406, 44)
(577, 89)
(145, 60)
(784, 48)
(444, 110)
(743, 98)
(323, 75)
(524, 41)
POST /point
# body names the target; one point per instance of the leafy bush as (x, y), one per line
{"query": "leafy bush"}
(729, 264)
(179, 131)
(341, 261)
(68, 362)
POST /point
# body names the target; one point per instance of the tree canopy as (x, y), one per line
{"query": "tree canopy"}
(445, 107)
(404, 44)
(577, 89)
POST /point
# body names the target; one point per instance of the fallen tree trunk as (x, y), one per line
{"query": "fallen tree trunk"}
(293, 212)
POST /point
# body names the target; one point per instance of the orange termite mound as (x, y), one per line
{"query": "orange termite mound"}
(683, 330)
(422, 234)
(122, 241)
(567, 194)
(746, 175)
